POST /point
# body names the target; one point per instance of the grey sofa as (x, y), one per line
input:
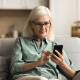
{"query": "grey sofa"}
(71, 46)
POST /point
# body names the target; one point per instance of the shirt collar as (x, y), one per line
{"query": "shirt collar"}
(34, 39)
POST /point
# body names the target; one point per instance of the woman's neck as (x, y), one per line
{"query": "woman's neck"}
(40, 40)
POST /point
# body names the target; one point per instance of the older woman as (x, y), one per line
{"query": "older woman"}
(32, 57)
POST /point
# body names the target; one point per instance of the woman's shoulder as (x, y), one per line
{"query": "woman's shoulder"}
(21, 39)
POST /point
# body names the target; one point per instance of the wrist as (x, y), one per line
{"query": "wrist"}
(38, 63)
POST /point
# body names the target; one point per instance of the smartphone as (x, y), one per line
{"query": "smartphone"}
(58, 48)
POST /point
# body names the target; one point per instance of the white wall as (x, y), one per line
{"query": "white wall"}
(64, 13)
(78, 10)
(52, 9)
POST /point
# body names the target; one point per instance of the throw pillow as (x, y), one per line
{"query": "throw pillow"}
(4, 67)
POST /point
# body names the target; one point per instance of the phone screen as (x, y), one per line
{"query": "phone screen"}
(58, 48)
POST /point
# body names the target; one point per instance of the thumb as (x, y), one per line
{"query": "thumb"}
(62, 53)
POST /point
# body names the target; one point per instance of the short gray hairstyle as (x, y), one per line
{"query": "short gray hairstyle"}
(36, 13)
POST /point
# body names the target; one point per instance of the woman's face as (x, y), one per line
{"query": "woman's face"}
(41, 26)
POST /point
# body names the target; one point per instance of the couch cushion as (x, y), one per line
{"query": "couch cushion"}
(6, 46)
(4, 67)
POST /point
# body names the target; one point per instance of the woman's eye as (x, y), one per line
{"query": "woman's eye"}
(46, 23)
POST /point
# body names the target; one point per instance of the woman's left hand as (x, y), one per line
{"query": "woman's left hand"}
(58, 60)
(62, 64)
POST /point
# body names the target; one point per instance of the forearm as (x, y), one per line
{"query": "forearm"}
(67, 70)
(29, 66)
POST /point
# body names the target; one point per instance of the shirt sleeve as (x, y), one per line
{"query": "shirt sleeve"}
(16, 58)
(68, 61)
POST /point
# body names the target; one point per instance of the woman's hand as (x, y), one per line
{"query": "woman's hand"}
(58, 60)
(62, 64)
(44, 57)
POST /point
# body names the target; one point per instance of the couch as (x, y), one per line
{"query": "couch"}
(71, 45)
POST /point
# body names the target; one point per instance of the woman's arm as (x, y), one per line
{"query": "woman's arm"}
(63, 65)
(43, 60)
(67, 70)
(29, 66)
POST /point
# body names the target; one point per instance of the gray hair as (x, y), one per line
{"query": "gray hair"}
(36, 13)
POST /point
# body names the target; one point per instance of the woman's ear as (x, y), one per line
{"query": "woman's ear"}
(30, 23)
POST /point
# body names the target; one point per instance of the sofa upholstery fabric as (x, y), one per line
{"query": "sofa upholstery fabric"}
(4, 67)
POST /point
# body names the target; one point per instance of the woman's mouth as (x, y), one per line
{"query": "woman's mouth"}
(42, 32)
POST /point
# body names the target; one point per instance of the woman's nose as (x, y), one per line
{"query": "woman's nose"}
(43, 26)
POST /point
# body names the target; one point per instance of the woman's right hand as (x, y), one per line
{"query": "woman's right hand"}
(43, 60)
(44, 57)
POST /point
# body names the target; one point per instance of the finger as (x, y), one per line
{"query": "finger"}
(49, 52)
(47, 57)
(43, 52)
(53, 59)
(62, 53)
(55, 56)
(58, 53)
(60, 56)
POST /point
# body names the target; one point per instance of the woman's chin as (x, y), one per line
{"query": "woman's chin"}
(43, 36)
